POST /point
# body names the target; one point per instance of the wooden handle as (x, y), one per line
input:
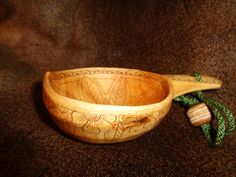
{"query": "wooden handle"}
(183, 84)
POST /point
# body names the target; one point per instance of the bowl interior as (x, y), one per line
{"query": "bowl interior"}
(111, 86)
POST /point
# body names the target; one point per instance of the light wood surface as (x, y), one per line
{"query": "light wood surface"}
(109, 105)
(183, 84)
(199, 114)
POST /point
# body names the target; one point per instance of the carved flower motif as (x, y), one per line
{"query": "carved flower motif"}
(93, 123)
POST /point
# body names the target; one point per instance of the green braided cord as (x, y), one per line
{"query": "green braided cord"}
(222, 109)
(219, 110)
(228, 115)
(187, 101)
(197, 76)
(221, 126)
(216, 111)
(206, 129)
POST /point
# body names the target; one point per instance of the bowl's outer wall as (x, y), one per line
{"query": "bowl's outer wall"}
(103, 128)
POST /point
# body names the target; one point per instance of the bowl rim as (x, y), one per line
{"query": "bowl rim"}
(74, 104)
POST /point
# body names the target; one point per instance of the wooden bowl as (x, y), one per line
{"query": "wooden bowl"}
(109, 105)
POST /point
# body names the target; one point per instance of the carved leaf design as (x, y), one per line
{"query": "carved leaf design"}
(118, 92)
(116, 132)
(92, 124)
(91, 127)
(66, 120)
(151, 94)
(91, 90)
(58, 89)
(79, 118)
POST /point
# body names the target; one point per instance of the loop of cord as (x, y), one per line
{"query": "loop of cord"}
(222, 114)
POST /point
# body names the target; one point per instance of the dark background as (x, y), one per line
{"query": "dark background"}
(165, 36)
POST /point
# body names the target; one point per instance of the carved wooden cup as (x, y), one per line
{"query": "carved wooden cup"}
(109, 105)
